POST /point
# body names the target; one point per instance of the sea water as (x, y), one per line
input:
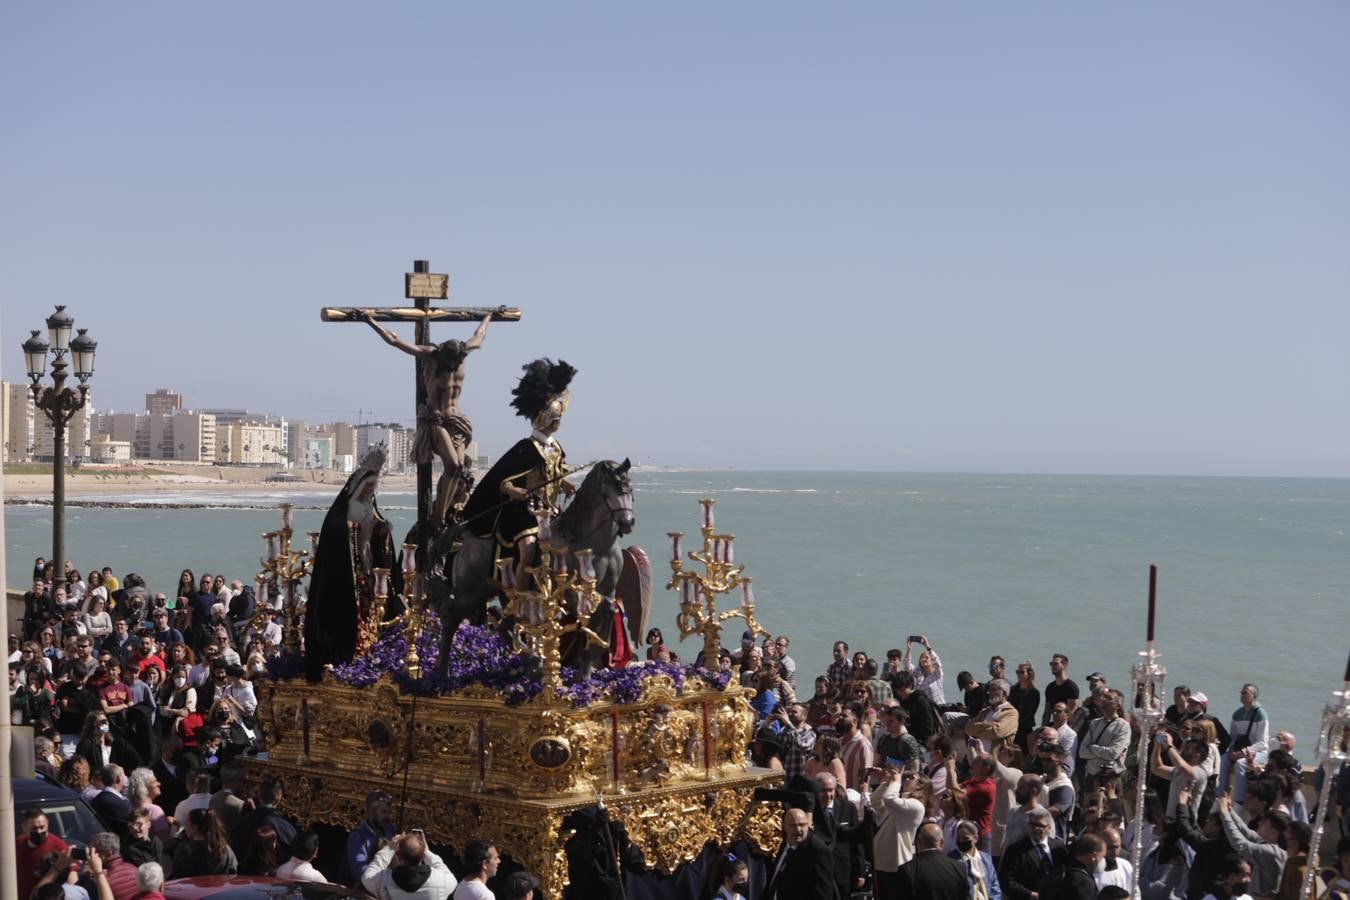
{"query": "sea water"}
(1253, 573)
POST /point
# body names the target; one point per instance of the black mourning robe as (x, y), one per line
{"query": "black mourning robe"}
(332, 611)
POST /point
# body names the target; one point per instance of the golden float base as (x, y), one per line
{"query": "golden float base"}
(669, 766)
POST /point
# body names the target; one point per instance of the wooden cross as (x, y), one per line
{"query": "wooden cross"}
(421, 286)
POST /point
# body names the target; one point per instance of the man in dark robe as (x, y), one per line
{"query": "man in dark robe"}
(355, 538)
(530, 474)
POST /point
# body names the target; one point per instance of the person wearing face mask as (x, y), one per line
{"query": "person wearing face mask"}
(979, 866)
(177, 700)
(1234, 881)
(730, 877)
(35, 842)
(101, 746)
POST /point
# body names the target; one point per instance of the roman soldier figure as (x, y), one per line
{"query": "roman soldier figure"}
(529, 476)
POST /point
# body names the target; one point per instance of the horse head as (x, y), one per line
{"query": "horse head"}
(617, 491)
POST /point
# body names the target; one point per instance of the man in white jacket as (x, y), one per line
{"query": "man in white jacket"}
(406, 870)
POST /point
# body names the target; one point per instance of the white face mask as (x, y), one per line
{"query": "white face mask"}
(179, 682)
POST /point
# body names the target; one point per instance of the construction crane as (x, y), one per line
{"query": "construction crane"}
(360, 413)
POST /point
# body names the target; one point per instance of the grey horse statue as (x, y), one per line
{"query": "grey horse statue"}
(600, 513)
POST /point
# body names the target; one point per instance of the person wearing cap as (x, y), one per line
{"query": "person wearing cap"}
(365, 839)
(740, 656)
(518, 886)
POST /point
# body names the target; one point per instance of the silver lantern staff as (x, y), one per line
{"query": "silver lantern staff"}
(1147, 686)
(1333, 749)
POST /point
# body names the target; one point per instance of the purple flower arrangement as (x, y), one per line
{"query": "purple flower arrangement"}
(479, 655)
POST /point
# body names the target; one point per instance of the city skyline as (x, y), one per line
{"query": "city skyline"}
(933, 239)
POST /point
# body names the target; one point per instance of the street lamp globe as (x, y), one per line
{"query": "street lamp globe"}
(59, 325)
(82, 349)
(35, 356)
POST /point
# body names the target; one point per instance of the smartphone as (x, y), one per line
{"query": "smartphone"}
(916, 639)
(79, 854)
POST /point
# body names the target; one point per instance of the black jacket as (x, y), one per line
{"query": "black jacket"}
(930, 875)
(807, 873)
(842, 834)
(1072, 882)
(1021, 869)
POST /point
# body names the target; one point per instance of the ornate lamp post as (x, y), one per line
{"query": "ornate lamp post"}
(59, 403)
(1333, 750)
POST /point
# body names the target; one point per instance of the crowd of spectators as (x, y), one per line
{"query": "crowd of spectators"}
(143, 703)
(1029, 788)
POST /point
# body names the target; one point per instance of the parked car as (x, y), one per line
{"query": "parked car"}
(252, 887)
(68, 816)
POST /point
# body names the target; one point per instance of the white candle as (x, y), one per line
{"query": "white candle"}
(585, 565)
(559, 560)
(506, 573)
(687, 591)
(675, 546)
(381, 582)
(747, 595)
(707, 513)
(717, 549)
(545, 528)
(273, 546)
(313, 543)
(729, 555)
(409, 559)
(261, 599)
(286, 510)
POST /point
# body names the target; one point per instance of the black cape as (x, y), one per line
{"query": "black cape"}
(488, 514)
(331, 612)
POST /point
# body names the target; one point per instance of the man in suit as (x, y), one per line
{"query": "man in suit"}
(804, 869)
(265, 813)
(930, 875)
(110, 804)
(836, 821)
(227, 803)
(1074, 880)
(1029, 860)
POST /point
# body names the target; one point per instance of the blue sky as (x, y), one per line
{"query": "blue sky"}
(1030, 237)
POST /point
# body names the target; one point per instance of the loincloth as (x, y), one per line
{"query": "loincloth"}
(456, 425)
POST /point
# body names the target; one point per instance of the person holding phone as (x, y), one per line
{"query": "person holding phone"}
(406, 869)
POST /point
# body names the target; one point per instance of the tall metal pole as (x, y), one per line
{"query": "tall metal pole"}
(56, 415)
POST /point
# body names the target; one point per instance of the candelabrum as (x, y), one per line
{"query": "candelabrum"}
(540, 607)
(368, 632)
(1147, 688)
(283, 569)
(699, 590)
(1333, 751)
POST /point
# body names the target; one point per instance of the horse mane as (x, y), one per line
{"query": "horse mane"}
(569, 523)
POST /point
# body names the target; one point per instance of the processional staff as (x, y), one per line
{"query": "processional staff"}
(1147, 688)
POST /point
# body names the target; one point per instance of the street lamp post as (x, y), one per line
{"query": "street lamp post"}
(59, 403)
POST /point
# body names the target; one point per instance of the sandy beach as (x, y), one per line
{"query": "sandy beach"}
(151, 480)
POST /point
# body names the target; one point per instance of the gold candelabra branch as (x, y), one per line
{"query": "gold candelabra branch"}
(414, 613)
(370, 626)
(281, 574)
(541, 608)
(698, 590)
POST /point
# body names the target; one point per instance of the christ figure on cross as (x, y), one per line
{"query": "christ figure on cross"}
(442, 430)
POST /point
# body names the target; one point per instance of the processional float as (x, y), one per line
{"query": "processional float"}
(510, 752)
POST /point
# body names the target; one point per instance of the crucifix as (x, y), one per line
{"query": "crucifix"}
(442, 430)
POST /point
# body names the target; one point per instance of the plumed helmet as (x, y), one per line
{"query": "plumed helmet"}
(542, 395)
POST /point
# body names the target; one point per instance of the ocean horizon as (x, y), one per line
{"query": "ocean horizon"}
(1252, 584)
